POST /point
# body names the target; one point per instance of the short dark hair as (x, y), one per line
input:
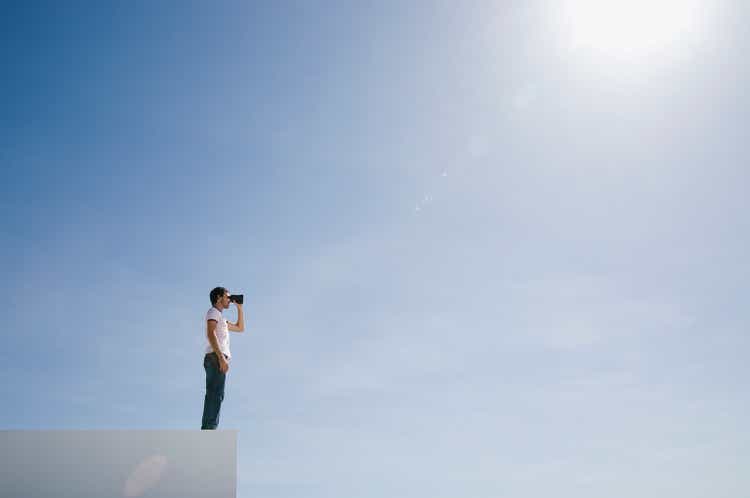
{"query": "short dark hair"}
(216, 293)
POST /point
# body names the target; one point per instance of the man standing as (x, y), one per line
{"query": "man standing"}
(218, 356)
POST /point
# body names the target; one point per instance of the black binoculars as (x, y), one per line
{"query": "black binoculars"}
(237, 298)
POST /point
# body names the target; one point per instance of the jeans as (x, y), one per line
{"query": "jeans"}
(215, 380)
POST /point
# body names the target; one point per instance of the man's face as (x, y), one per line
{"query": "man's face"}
(223, 303)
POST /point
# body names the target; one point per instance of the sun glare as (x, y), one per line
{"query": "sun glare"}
(631, 29)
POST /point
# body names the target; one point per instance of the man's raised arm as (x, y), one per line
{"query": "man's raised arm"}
(240, 325)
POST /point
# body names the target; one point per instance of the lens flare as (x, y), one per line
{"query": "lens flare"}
(145, 476)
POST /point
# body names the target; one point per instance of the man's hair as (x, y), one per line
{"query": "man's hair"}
(216, 294)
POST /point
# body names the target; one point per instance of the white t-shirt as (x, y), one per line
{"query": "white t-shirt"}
(222, 332)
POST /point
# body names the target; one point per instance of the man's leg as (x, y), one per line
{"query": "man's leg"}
(215, 380)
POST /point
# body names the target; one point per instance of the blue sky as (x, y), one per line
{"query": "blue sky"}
(480, 255)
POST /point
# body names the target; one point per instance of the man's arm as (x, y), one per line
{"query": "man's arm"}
(211, 334)
(240, 325)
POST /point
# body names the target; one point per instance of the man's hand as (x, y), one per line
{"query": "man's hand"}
(223, 364)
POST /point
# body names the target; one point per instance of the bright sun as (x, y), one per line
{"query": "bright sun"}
(631, 29)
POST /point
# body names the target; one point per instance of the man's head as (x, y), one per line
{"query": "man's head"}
(220, 298)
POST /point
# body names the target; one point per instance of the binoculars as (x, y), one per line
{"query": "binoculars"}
(237, 298)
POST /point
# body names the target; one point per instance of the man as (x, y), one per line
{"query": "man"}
(218, 356)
